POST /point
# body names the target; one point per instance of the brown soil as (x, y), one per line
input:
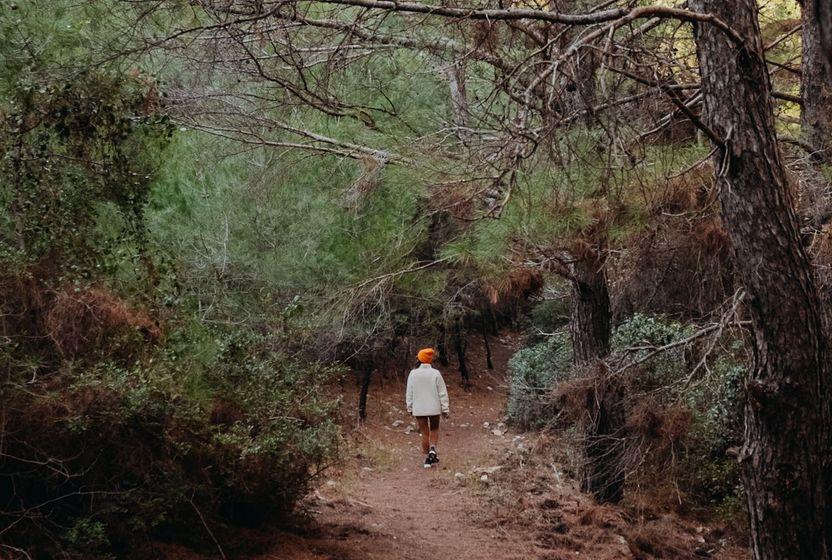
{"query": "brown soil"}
(385, 505)
(381, 504)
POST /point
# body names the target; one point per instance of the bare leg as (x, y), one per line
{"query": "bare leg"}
(434, 430)
(424, 431)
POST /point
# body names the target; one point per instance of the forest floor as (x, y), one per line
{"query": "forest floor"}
(386, 505)
(496, 494)
(491, 497)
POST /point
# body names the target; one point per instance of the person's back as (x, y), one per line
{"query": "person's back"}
(426, 399)
(424, 381)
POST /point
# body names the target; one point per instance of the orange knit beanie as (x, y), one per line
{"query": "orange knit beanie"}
(426, 355)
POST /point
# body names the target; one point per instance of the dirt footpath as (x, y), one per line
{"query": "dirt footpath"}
(496, 494)
(388, 506)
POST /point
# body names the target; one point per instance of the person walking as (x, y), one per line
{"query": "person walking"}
(426, 398)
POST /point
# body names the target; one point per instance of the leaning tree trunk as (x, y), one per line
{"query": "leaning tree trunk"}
(815, 87)
(786, 461)
(590, 330)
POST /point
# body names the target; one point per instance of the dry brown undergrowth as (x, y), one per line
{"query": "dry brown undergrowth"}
(535, 489)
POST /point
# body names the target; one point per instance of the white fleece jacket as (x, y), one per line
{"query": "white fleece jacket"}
(426, 392)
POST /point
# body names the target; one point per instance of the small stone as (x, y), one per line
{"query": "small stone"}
(623, 547)
(484, 478)
(459, 476)
(398, 423)
(497, 432)
(486, 424)
(490, 388)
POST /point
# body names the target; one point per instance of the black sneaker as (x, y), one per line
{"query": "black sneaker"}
(428, 461)
(432, 457)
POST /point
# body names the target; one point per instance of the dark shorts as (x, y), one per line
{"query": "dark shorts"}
(432, 420)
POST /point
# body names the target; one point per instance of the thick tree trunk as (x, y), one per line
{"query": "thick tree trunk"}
(590, 321)
(786, 456)
(603, 473)
(816, 87)
(590, 329)
(823, 18)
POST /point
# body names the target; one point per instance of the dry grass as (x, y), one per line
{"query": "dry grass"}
(518, 285)
(82, 321)
(70, 322)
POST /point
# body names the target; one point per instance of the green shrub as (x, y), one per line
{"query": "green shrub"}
(87, 535)
(287, 430)
(550, 315)
(123, 453)
(689, 417)
(719, 397)
(639, 336)
(710, 397)
(713, 477)
(533, 372)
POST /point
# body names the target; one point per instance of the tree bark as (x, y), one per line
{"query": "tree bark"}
(580, 87)
(823, 18)
(489, 363)
(442, 347)
(459, 346)
(785, 459)
(366, 377)
(459, 98)
(590, 329)
(590, 320)
(815, 87)
(603, 472)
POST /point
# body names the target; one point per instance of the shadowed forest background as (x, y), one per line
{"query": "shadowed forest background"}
(224, 222)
